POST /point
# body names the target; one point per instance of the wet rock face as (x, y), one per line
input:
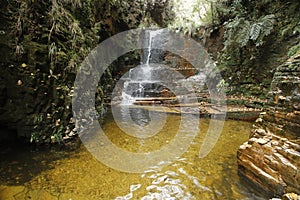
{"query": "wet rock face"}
(271, 157)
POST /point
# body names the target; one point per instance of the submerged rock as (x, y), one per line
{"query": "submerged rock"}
(271, 157)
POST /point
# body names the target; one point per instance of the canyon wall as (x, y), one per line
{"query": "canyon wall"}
(270, 159)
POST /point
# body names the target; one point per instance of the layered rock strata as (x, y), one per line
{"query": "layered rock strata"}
(271, 157)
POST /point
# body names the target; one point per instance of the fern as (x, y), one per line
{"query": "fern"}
(267, 23)
(262, 28)
(237, 32)
(255, 31)
(240, 31)
(244, 34)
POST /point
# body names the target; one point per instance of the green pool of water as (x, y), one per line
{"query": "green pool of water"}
(76, 174)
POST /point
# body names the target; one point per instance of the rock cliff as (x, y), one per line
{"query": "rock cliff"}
(271, 157)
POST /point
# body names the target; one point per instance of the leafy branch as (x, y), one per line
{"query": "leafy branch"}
(240, 31)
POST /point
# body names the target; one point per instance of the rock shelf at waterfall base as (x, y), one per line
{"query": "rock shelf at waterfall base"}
(236, 108)
(161, 88)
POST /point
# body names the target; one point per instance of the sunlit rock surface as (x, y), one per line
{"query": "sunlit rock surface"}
(271, 157)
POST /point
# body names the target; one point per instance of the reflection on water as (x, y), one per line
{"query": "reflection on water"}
(76, 174)
(137, 122)
(140, 116)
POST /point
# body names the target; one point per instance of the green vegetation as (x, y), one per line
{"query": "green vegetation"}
(245, 37)
(256, 38)
(43, 43)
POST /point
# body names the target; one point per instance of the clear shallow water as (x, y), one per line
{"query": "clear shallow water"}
(76, 174)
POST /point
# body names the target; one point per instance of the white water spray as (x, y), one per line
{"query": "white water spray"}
(142, 76)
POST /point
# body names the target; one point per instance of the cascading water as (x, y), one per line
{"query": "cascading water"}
(144, 79)
(152, 35)
(151, 79)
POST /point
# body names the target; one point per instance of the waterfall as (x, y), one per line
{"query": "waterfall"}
(141, 79)
(152, 36)
(149, 48)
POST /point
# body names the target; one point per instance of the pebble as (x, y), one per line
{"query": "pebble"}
(262, 141)
(259, 120)
(275, 143)
(260, 131)
(19, 82)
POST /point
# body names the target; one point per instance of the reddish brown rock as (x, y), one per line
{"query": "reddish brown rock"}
(271, 157)
(290, 196)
